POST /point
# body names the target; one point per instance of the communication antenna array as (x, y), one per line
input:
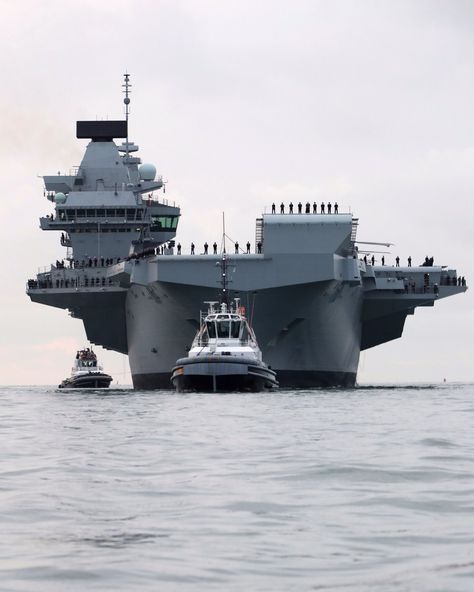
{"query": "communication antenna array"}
(126, 86)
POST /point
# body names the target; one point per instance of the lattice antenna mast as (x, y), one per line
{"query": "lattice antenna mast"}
(127, 86)
(224, 280)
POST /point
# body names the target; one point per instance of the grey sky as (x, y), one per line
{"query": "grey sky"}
(239, 104)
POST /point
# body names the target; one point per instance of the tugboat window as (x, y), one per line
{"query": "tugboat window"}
(211, 329)
(223, 328)
(235, 329)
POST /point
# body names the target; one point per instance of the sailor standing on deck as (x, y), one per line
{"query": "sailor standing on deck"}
(322, 208)
(214, 246)
(291, 207)
(206, 246)
(282, 208)
(192, 248)
(273, 208)
(315, 207)
(248, 247)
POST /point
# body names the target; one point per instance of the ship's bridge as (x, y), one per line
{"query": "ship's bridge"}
(101, 209)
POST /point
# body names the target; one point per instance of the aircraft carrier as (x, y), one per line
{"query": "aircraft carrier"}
(314, 298)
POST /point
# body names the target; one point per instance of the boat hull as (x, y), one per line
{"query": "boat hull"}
(90, 380)
(222, 374)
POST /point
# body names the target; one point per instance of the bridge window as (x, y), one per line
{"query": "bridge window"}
(164, 223)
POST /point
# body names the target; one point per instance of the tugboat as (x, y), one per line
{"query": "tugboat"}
(86, 373)
(224, 355)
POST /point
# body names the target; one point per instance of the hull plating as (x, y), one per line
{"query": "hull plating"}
(87, 381)
(218, 374)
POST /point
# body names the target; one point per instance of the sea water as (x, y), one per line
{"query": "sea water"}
(368, 489)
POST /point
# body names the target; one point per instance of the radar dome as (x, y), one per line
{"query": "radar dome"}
(59, 198)
(147, 172)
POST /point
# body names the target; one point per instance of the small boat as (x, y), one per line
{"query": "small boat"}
(86, 373)
(224, 355)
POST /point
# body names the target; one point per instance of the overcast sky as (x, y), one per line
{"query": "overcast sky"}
(238, 104)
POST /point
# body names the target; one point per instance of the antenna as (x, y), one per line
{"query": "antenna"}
(223, 233)
(127, 86)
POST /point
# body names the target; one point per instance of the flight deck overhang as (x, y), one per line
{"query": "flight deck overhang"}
(102, 309)
(389, 300)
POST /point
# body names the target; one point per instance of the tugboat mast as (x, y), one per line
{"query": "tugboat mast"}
(224, 280)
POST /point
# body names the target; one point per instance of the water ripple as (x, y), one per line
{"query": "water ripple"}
(363, 489)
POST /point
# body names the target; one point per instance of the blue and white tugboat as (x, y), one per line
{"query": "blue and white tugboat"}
(224, 355)
(86, 373)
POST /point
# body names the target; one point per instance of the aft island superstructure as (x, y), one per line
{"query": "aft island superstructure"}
(315, 302)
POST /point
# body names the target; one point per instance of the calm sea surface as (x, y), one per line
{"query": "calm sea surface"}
(370, 489)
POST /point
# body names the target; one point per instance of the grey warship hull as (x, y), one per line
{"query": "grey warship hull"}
(315, 343)
(314, 302)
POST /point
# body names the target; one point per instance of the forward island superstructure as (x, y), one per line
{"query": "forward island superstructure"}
(137, 295)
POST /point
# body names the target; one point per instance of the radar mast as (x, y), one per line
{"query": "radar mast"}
(127, 86)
